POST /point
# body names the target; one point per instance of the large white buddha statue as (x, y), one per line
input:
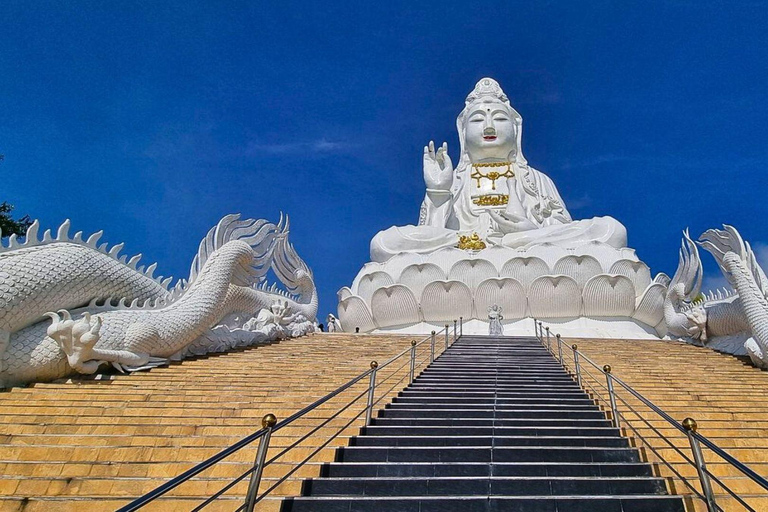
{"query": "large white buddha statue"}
(492, 192)
(494, 233)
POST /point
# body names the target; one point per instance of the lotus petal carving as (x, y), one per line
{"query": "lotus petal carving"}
(472, 272)
(554, 297)
(344, 293)
(637, 272)
(416, 277)
(650, 308)
(609, 295)
(369, 283)
(605, 253)
(580, 268)
(368, 268)
(354, 312)
(499, 255)
(505, 292)
(445, 301)
(662, 278)
(547, 252)
(525, 270)
(394, 305)
(394, 266)
(447, 258)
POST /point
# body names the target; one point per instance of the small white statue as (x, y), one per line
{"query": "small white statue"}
(333, 324)
(494, 315)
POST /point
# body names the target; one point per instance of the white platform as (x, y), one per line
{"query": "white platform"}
(618, 328)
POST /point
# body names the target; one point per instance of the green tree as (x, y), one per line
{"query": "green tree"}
(9, 225)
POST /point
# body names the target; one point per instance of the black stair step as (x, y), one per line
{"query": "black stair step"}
(380, 430)
(483, 454)
(427, 469)
(485, 504)
(511, 422)
(453, 440)
(483, 486)
(497, 404)
(423, 412)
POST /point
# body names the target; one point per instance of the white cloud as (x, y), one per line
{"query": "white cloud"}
(315, 146)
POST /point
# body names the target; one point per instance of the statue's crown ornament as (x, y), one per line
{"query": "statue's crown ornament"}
(486, 87)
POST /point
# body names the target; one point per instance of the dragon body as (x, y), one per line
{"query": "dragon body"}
(726, 318)
(103, 309)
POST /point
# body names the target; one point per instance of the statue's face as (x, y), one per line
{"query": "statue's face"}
(489, 131)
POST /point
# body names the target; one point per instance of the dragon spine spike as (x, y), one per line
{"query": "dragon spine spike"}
(102, 248)
(12, 244)
(150, 270)
(134, 303)
(94, 239)
(62, 235)
(140, 269)
(166, 281)
(32, 231)
(78, 238)
(134, 260)
(115, 251)
(123, 259)
(47, 236)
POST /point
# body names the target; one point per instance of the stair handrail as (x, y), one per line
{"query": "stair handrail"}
(270, 425)
(687, 426)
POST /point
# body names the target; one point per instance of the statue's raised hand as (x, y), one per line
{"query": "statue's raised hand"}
(438, 168)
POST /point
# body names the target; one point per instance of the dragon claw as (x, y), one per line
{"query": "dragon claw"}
(77, 339)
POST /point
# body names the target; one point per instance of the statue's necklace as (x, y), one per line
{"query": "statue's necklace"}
(493, 175)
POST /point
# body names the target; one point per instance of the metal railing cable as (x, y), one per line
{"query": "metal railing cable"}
(271, 425)
(688, 427)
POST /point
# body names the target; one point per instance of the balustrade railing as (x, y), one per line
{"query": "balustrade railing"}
(341, 411)
(631, 411)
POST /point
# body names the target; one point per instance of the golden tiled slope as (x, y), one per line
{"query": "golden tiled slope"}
(108, 440)
(727, 397)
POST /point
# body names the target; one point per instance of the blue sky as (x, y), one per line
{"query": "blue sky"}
(152, 121)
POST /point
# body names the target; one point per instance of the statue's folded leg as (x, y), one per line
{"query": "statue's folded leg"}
(599, 229)
(413, 239)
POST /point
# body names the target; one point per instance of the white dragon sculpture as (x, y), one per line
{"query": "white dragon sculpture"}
(724, 320)
(109, 311)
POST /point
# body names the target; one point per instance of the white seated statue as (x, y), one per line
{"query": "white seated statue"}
(492, 191)
(493, 230)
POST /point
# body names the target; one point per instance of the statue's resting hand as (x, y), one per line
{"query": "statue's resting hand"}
(513, 219)
(438, 168)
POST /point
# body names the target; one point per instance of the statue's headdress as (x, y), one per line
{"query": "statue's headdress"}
(486, 87)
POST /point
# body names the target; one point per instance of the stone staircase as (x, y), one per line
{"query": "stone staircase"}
(98, 442)
(115, 437)
(725, 395)
(492, 424)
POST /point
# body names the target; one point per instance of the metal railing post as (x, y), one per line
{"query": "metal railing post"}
(536, 329)
(454, 331)
(612, 396)
(267, 422)
(549, 347)
(371, 393)
(432, 349)
(541, 330)
(690, 426)
(446, 336)
(461, 326)
(413, 361)
(559, 348)
(576, 363)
